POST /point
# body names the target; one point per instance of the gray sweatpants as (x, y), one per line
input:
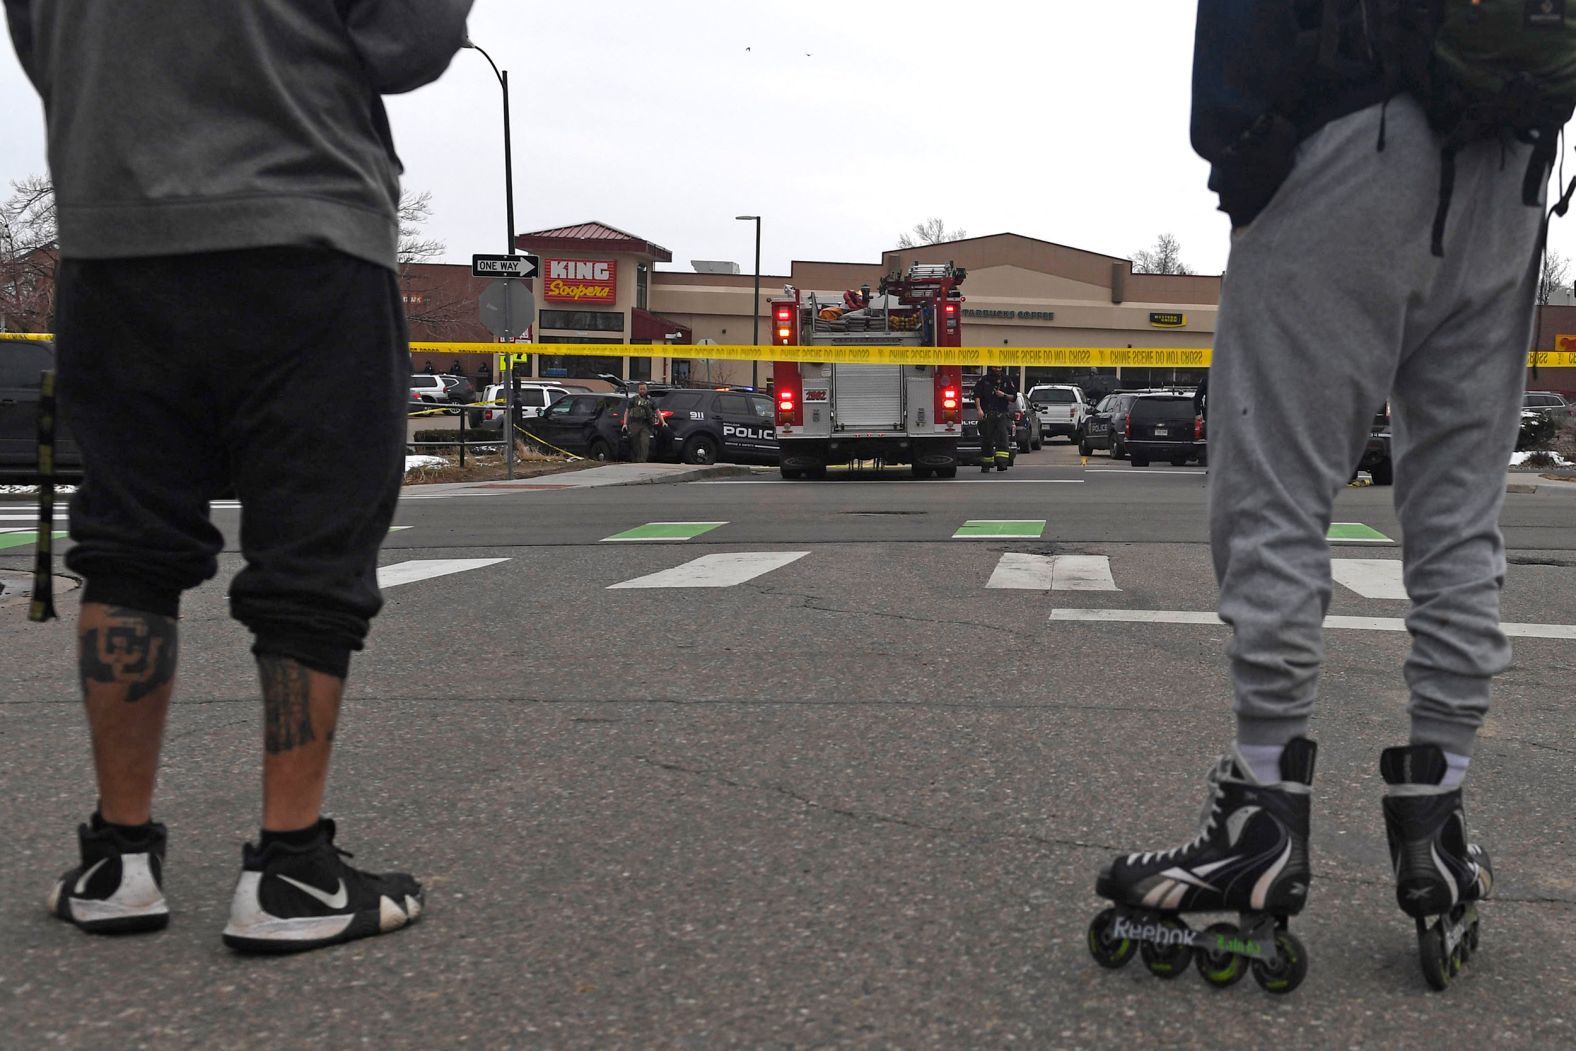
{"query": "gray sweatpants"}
(1332, 301)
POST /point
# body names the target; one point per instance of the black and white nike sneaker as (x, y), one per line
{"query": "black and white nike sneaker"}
(119, 887)
(293, 898)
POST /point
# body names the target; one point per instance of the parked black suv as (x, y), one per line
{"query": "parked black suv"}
(702, 426)
(705, 426)
(1106, 423)
(582, 424)
(1376, 456)
(21, 364)
(1164, 427)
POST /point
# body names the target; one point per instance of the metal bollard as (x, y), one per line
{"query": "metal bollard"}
(43, 605)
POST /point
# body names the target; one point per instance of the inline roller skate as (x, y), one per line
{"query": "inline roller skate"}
(1250, 857)
(1439, 875)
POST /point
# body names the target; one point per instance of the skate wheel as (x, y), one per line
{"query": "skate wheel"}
(1220, 968)
(1472, 936)
(1108, 951)
(1438, 966)
(1166, 961)
(1288, 970)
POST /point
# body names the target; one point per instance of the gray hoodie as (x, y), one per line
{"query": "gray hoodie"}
(180, 126)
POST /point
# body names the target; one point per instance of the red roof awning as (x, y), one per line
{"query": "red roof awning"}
(656, 328)
(592, 237)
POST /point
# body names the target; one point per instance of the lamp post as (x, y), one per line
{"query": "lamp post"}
(755, 307)
(508, 322)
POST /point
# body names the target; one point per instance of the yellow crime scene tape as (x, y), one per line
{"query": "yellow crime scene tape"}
(1045, 357)
(1063, 357)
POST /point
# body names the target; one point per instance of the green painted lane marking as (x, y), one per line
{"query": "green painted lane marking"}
(980, 529)
(1356, 532)
(23, 539)
(665, 531)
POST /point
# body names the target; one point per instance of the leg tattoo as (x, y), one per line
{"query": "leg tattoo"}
(133, 649)
(287, 708)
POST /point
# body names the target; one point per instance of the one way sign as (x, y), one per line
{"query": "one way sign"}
(513, 266)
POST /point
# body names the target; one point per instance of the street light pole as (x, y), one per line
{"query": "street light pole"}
(508, 321)
(755, 309)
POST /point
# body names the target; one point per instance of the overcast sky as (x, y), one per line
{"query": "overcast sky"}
(841, 124)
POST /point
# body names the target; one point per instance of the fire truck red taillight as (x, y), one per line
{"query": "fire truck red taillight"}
(783, 314)
(949, 398)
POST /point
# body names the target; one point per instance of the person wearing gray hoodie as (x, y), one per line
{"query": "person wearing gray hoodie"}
(227, 189)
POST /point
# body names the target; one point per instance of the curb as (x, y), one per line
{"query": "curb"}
(588, 478)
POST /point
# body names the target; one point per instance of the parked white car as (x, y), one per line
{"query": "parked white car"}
(531, 400)
(1061, 408)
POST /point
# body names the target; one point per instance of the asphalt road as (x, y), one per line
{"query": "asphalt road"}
(855, 801)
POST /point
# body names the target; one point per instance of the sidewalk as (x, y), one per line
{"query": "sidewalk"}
(590, 478)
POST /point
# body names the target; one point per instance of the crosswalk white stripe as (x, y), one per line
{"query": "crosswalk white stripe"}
(1021, 572)
(1174, 616)
(19, 518)
(715, 571)
(1136, 616)
(427, 568)
(1370, 577)
(1083, 573)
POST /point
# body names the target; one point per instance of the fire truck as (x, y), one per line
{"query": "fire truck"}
(836, 412)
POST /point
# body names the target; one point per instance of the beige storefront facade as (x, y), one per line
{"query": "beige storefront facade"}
(600, 285)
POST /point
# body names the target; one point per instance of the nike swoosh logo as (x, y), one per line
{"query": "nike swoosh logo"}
(82, 883)
(334, 901)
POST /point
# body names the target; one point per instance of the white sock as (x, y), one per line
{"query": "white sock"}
(1263, 760)
(1455, 769)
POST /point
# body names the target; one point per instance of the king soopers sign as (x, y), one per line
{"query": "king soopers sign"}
(580, 281)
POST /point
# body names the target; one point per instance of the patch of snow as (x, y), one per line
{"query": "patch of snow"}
(1517, 459)
(413, 463)
(32, 490)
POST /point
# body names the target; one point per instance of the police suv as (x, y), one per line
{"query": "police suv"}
(708, 426)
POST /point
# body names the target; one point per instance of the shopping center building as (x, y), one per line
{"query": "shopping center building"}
(600, 285)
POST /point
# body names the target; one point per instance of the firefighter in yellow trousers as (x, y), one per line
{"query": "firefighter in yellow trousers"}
(995, 395)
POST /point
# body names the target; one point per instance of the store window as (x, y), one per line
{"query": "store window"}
(642, 286)
(567, 366)
(584, 320)
(1138, 379)
(640, 368)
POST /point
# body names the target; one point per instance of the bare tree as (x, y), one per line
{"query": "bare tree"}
(930, 232)
(1555, 276)
(414, 211)
(28, 255)
(1164, 258)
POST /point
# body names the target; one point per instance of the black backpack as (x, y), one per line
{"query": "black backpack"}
(1480, 69)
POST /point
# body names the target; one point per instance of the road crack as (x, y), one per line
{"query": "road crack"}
(867, 816)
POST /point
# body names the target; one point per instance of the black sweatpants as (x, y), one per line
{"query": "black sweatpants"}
(281, 372)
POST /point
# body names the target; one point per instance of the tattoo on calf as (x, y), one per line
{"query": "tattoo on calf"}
(133, 649)
(287, 704)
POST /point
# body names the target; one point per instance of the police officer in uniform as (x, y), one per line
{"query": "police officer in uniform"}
(995, 395)
(640, 420)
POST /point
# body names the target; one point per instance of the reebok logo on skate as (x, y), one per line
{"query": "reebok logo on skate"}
(337, 900)
(1154, 933)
